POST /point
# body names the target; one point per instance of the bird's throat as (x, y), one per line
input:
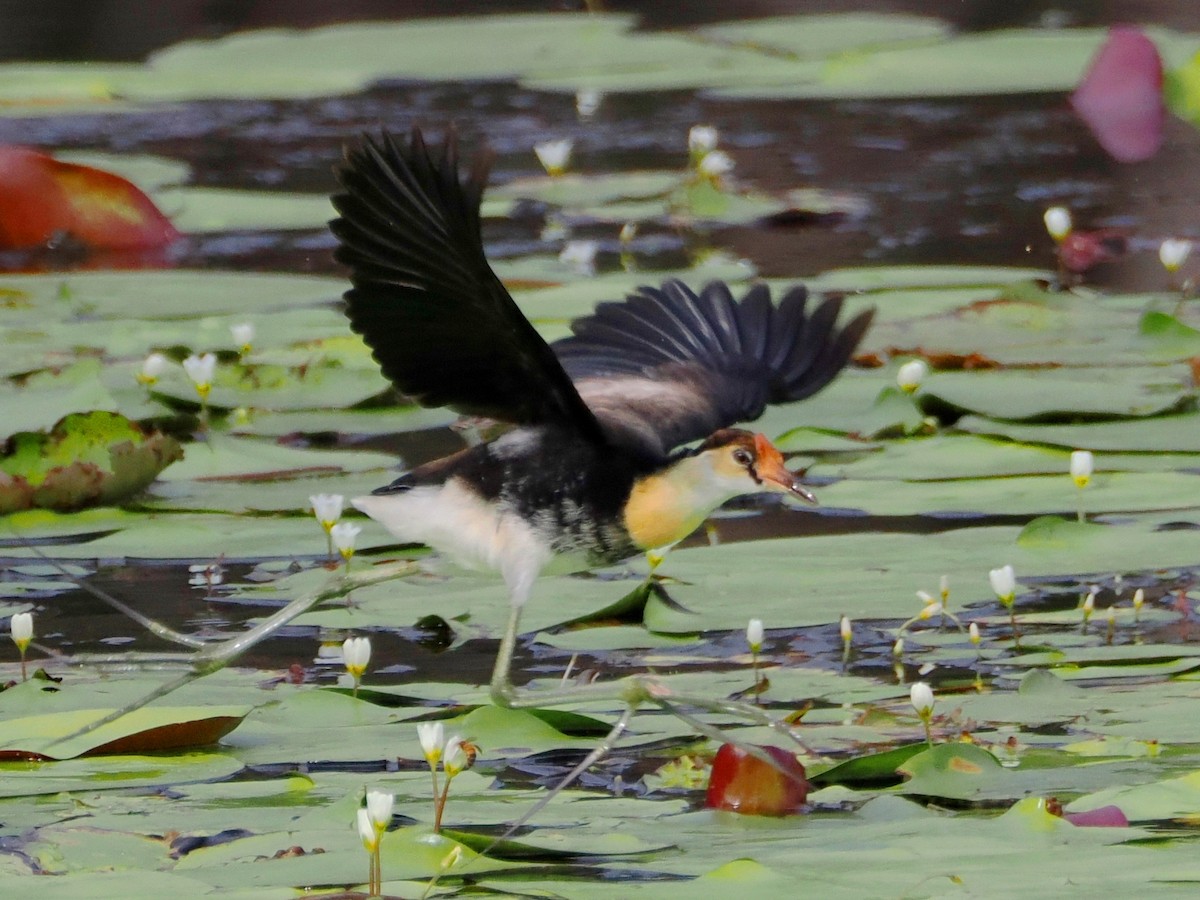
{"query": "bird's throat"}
(667, 506)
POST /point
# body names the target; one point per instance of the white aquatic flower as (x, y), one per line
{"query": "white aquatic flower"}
(628, 232)
(356, 653)
(702, 140)
(580, 256)
(344, 535)
(1089, 605)
(366, 830)
(898, 648)
(973, 634)
(327, 508)
(152, 366)
(1139, 597)
(911, 374)
(456, 758)
(206, 575)
(925, 597)
(944, 587)
(243, 335)
(1081, 467)
(1058, 222)
(929, 610)
(922, 699)
(754, 634)
(587, 102)
(846, 629)
(1173, 253)
(554, 155)
(432, 736)
(201, 369)
(715, 164)
(1004, 583)
(21, 628)
(379, 809)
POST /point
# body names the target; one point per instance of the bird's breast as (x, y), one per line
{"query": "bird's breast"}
(659, 513)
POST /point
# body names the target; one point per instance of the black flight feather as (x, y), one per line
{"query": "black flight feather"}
(667, 366)
(444, 329)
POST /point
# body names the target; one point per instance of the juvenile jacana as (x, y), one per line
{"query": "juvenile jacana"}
(590, 473)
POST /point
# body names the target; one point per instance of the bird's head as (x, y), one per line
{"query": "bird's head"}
(748, 463)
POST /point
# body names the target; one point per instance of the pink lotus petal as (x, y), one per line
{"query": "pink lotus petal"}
(1120, 98)
(1101, 817)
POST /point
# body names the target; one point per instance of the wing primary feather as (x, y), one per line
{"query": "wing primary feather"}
(668, 365)
(440, 323)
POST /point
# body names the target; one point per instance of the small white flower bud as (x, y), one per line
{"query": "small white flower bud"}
(554, 155)
(911, 374)
(754, 634)
(1004, 583)
(1058, 222)
(21, 628)
(356, 653)
(922, 699)
(1082, 463)
(1173, 253)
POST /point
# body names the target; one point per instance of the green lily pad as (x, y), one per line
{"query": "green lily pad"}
(86, 459)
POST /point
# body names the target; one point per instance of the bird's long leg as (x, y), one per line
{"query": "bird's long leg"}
(519, 577)
(502, 691)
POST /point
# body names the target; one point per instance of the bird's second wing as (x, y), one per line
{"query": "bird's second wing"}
(444, 329)
(667, 365)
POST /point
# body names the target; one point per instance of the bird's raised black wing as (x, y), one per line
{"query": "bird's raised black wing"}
(667, 366)
(444, 329)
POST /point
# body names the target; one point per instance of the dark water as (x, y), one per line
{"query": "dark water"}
(953, 181)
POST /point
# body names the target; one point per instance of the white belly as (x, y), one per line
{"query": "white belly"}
(456, 522)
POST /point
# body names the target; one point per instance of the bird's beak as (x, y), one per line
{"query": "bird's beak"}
(775, 474)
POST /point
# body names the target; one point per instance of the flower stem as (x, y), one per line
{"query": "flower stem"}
(440, 806)
(757, 677)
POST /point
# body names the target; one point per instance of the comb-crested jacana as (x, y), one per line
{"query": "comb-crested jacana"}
(590, 473)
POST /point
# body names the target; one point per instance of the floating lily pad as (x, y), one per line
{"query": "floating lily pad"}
(147, 730)
(86, 459)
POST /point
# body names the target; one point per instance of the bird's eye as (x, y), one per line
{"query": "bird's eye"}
(742, 457)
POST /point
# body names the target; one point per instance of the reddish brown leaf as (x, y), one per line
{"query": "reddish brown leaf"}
(42, 200)
(744, 784)
(176, 736)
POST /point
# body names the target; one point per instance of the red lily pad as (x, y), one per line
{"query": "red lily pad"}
(1121, 97)
(43, 200)
(745, 784)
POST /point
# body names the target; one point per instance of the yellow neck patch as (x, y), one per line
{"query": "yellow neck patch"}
(657, 513)
(668, 506)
